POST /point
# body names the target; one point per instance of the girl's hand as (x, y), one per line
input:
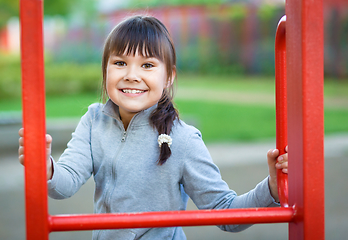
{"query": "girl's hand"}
(276, 162)
(48, 152)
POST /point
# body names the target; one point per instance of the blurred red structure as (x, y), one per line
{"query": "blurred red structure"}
(336, 3)
(302, 66)
(336, 44)
(4, 40)
(239, 37)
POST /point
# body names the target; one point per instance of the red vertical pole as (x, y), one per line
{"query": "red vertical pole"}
(281, 106)
(304, 40)
(33, 98)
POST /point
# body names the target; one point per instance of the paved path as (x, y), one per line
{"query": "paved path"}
(258, 98)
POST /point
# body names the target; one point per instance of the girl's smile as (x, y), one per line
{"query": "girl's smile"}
(132, 91)
(135, 83)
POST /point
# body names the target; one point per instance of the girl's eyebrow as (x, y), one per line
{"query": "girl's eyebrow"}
(145, 58)
(116, 55)
(151, 58)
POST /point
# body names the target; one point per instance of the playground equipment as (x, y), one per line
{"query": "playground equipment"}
(299, 75)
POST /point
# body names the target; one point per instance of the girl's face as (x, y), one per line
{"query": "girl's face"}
(135, 83)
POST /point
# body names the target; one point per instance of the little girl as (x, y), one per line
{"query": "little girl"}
(142, 157)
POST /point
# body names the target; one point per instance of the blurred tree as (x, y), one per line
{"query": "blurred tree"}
(10, 8)
(84, 9)
(58, 7)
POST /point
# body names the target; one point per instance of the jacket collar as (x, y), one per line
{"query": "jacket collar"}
(112, 110)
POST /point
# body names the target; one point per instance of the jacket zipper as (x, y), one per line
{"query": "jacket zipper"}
(124, 136)
(114, 166)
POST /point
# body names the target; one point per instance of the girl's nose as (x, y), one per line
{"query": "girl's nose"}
(131, 74)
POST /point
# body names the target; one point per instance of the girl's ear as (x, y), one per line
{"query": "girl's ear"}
(171, 78)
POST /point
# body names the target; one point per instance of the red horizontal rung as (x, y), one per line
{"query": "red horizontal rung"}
(170, 219)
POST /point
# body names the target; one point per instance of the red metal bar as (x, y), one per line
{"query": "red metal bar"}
(281, 106)
(33, 98)
(306, 139)
(170, 219)
(304, 40)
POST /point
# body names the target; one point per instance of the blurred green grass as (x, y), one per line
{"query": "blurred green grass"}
(225, 122)
(217, 120)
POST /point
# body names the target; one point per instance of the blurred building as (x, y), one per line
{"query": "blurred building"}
(236, 37)
(336, 38)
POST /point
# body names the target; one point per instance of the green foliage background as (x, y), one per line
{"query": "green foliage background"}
(72, 85)
(70, 88)
(61, 78)
(10, 8)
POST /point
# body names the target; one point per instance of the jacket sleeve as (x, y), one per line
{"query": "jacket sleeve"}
(75, 166)
(203, 183)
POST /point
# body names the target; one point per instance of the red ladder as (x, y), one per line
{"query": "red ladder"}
(302, 66)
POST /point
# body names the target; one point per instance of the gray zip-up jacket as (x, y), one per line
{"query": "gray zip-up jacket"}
(128, 178)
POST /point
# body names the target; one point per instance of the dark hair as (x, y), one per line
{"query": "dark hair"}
(151, 36)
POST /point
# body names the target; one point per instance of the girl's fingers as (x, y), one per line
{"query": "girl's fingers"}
(21, 141)
(272, 154)
(21, 146)
(282, 161)
(48, 141)
(20, 150)
(21, 132)
(48, 145)
(21, 154)
(282, 158)
(282, 165)
(21, 159)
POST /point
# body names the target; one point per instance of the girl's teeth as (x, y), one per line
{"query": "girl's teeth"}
(132, 91)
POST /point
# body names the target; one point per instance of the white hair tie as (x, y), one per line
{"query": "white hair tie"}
(164, 138)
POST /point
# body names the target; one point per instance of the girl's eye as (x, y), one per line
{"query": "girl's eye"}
(147, 65)
(120, 63)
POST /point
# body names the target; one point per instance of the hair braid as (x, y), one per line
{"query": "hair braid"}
(162, 119)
